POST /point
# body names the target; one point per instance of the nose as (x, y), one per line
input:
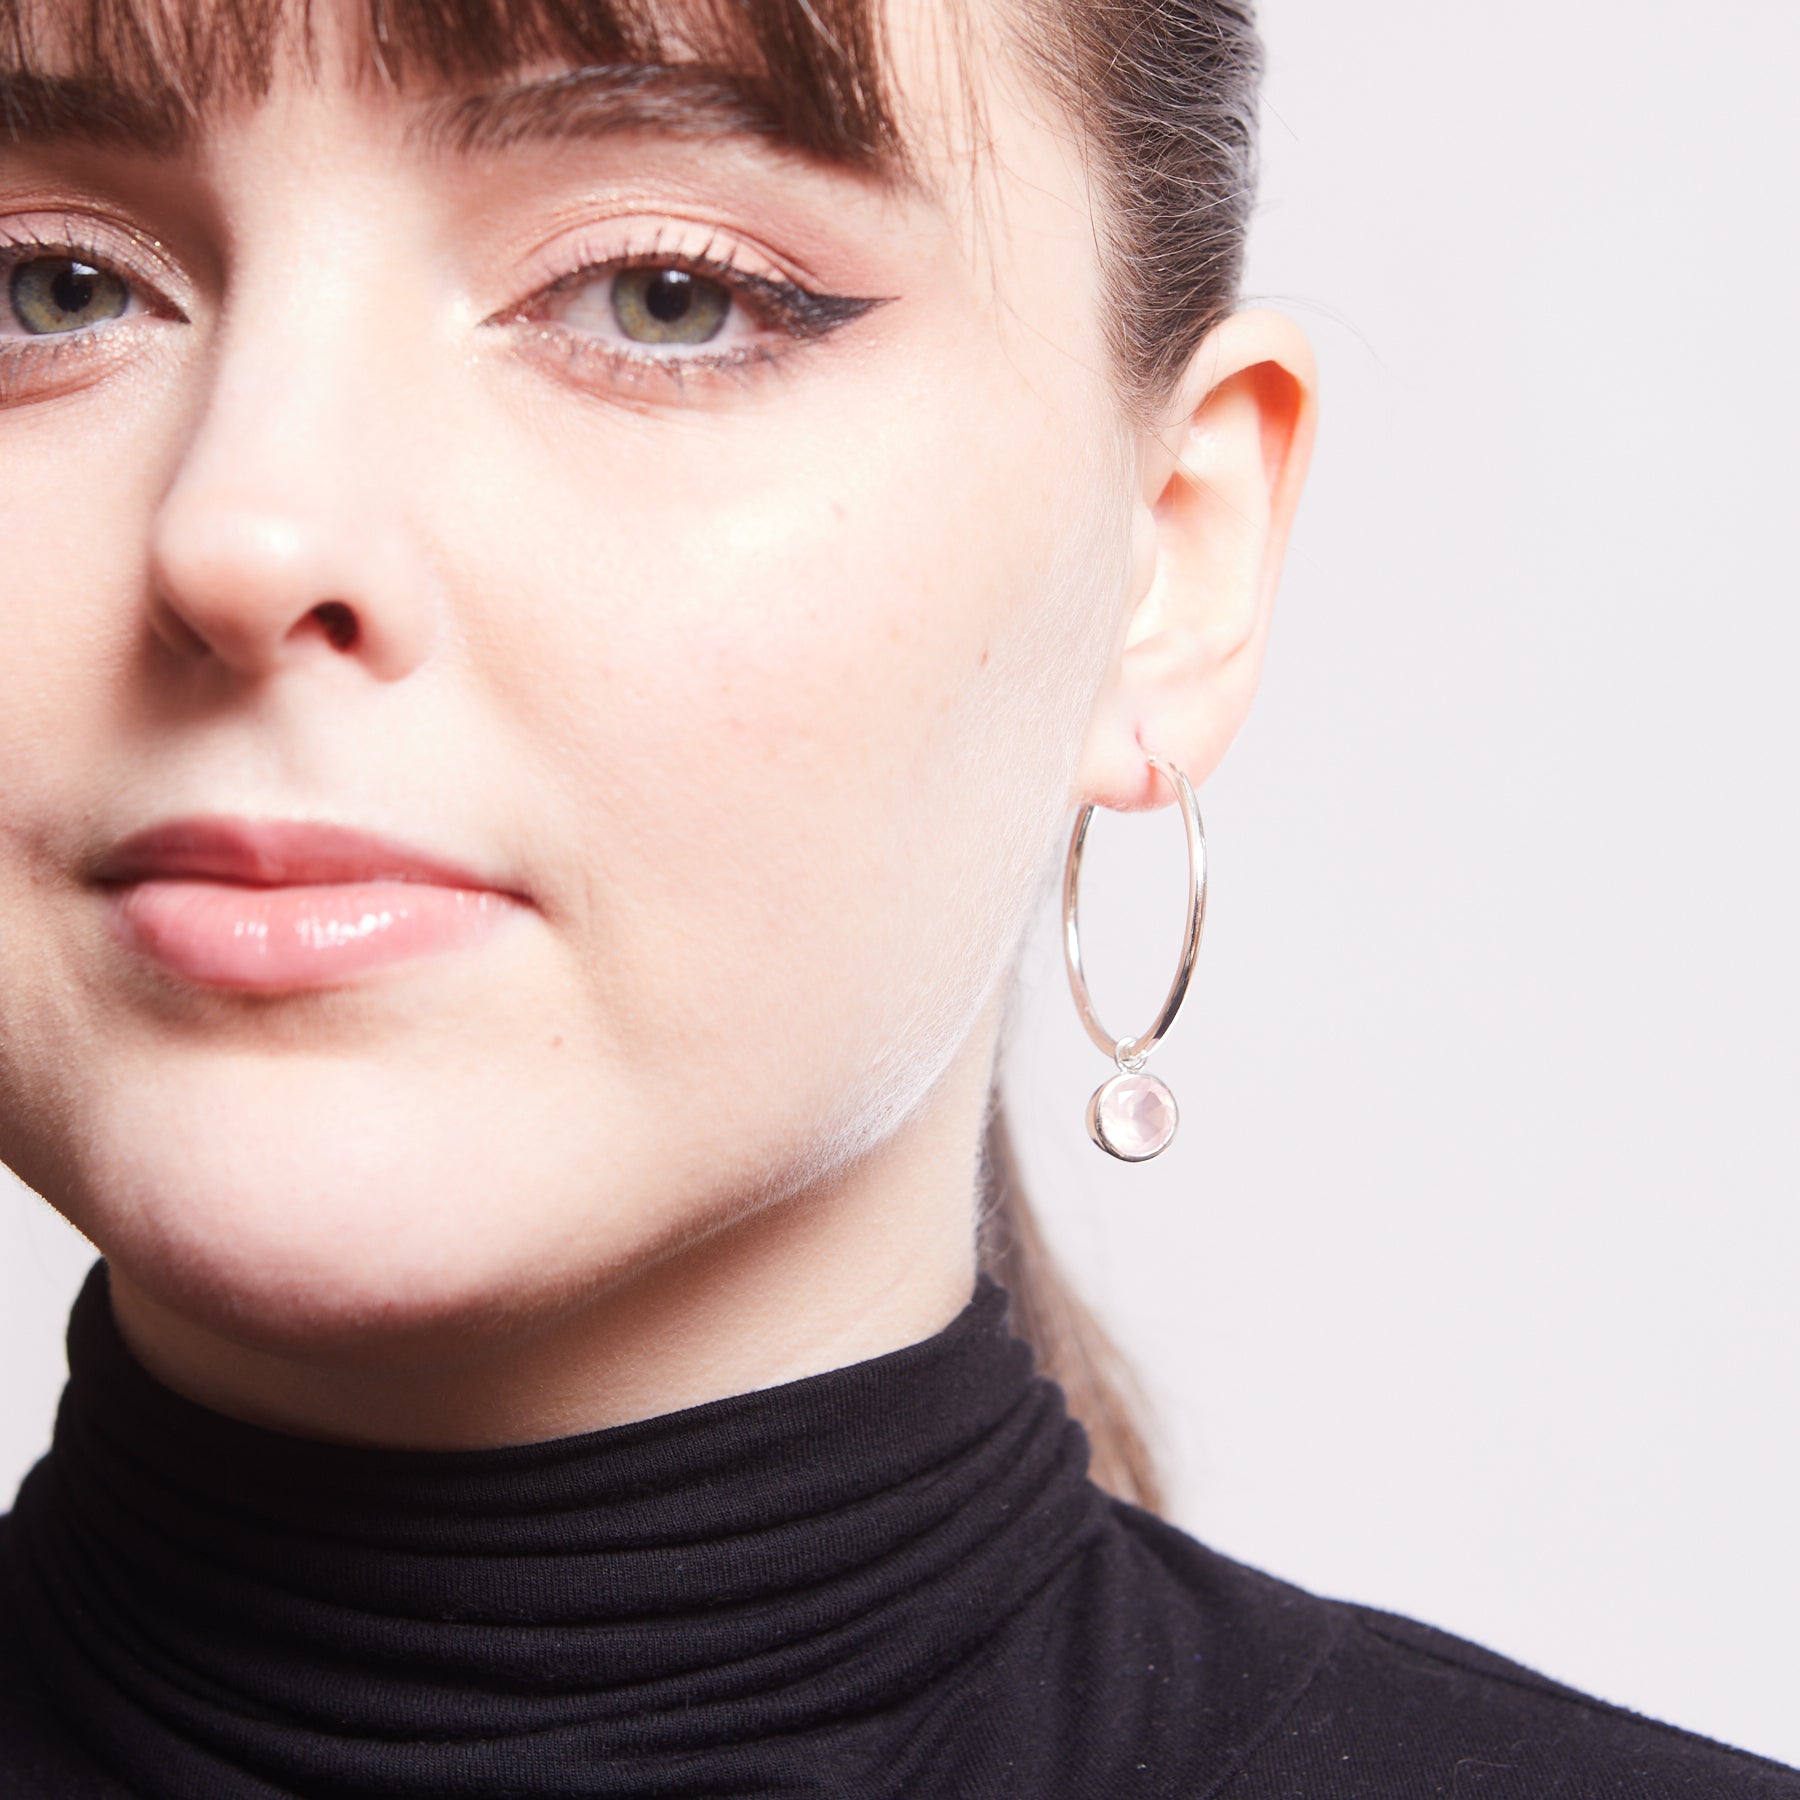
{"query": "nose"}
(282, 537)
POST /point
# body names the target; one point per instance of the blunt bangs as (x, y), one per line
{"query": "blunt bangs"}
(816, 68)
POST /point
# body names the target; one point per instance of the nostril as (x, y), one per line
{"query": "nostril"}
(339, 624)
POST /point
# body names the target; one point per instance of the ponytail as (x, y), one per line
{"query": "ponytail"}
(1070, 1343)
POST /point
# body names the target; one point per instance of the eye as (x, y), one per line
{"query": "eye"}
(628, 312)
(53, 295)
(669, 306)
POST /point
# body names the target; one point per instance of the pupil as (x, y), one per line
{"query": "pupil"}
(669, 295)
(73, 287)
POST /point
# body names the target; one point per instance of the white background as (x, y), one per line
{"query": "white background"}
(1469, 1286)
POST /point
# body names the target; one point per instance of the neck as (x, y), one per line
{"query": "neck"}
(881, 1256)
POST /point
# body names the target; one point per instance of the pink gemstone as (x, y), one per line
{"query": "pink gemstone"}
(1134, 1117)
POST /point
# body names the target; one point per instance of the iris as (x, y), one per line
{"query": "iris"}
(669, 306)
(51, 294)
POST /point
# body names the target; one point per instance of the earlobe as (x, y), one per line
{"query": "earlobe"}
(1221, 482)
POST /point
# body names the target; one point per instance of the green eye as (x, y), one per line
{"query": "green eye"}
(668, 306)
(58, 293)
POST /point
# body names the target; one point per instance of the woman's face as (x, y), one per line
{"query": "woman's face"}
(732, 638)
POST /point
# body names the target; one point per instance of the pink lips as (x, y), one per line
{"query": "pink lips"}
(278, 906)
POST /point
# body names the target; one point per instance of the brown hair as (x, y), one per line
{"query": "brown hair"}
(1161, 92)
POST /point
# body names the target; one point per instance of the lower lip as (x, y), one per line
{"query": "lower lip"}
(279, 939)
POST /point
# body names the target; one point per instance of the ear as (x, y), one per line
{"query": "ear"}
(1220, 483)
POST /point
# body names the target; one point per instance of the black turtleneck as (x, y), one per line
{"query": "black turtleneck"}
(891, 1582)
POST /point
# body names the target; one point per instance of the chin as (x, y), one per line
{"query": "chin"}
(334, 1207)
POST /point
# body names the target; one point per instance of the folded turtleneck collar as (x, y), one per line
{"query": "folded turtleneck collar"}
(659, 1608)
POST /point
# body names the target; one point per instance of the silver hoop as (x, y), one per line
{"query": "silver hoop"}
(1132, 1053)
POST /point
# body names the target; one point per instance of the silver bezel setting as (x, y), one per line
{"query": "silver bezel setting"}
(1097, 1126)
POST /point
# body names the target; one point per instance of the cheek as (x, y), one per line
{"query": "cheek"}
(74, 503)
(77, 491)
(803, 710)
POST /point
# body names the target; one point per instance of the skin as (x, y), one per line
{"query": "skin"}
(768, 689)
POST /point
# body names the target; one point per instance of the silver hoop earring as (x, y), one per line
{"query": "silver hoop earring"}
(1132, 1115)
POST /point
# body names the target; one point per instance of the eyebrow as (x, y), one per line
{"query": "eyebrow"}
(668, 99)
(600, 101)
(37, 108)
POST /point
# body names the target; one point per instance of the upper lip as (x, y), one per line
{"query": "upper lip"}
(275, 853)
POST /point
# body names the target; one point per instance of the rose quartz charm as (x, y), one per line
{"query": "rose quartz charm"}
(1132, 1117)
